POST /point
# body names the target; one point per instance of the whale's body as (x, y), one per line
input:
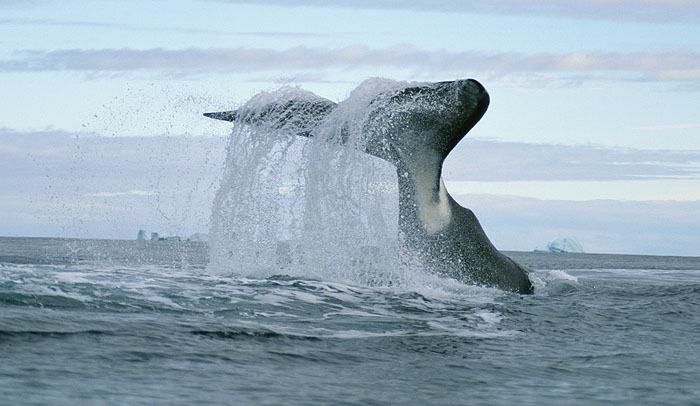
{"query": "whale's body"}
(414, 128)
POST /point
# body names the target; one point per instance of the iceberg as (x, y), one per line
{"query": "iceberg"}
(564, 244)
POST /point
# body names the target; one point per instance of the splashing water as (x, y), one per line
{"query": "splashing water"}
(310, 207)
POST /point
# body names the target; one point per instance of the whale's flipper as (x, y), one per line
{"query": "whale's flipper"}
(299, 115)
(415, 128)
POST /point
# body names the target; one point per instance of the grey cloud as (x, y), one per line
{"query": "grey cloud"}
(59, 184)
(604, 226)
(61, 23)
(673, 66)
(150, 28)
(619, 10)
(488, 160)
(122, 162)
(21, 3)
(54, 183)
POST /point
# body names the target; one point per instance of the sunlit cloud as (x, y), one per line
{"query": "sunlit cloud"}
(675, 66)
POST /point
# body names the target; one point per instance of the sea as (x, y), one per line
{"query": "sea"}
(305, 294)
(114, 322)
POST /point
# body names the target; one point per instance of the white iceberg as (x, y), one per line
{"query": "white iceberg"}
(564, 244)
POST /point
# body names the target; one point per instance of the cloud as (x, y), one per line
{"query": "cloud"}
(663, 66)
(107, 187)
(34, 22)
(488, 160)
(125, 193)
(21, 3)
(621, 10)
(603, 226)
(132, 159)
(688, 126)
(60, 23)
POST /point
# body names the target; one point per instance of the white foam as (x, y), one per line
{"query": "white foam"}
(552, 281)
(490, 318)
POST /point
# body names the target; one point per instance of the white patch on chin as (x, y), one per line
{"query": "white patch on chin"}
(435, 215)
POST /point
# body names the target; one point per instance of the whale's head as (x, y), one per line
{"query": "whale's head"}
(432, 117)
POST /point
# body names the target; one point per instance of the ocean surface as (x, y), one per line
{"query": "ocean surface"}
(139, 322)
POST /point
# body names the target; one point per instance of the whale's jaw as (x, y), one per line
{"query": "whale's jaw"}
(414, 128)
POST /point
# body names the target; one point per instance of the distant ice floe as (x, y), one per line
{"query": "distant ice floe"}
(197, 237)
(564, 244)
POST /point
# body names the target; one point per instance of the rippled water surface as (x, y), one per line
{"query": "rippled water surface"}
(126, 322)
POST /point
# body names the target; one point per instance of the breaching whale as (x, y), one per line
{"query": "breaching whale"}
(414, 128)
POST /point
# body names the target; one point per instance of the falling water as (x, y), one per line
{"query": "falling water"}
(314, 207)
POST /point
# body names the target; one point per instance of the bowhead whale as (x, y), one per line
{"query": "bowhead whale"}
(414, 128)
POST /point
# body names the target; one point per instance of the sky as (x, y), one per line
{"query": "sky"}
(593, 131)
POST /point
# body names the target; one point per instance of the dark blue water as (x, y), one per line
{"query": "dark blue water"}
(126, 322)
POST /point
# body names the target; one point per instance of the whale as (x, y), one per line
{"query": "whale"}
(414, 127)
